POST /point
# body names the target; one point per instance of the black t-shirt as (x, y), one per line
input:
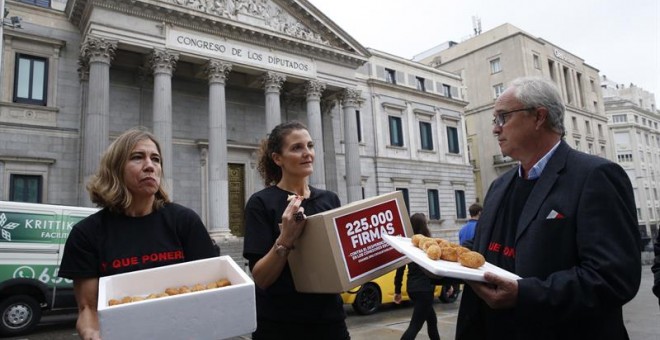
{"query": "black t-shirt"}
(281, 301)
(107, 243)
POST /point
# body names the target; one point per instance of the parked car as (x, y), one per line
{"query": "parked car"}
(367, 298)
(32, 238)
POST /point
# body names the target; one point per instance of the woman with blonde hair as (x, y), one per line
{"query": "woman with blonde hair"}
(137, 228)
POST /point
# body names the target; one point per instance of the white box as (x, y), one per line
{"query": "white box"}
(209, 314)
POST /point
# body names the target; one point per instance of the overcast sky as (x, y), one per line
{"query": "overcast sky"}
(619, 38)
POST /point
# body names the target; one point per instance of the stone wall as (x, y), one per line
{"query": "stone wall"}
(233, 247)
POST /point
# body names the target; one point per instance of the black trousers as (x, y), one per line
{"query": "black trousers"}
(277, 330)
(422, 312)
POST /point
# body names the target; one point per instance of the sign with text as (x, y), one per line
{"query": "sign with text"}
(234, 51)
(360, 237)
(45, 227)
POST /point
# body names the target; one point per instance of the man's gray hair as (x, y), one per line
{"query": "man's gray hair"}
(535, 92)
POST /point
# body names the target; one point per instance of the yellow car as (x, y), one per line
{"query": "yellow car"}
(367, 298)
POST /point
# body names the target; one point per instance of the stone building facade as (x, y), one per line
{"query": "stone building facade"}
(488, 62)
(634, 128)
(210, 79)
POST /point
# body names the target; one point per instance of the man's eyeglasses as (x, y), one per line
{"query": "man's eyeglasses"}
(499, 119)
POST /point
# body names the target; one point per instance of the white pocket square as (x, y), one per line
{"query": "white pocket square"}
(554, 215)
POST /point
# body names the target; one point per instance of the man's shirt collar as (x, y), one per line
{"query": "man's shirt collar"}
(537, 169)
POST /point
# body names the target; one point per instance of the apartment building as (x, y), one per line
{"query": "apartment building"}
(633, 121)
(488, 62)
(414, 112)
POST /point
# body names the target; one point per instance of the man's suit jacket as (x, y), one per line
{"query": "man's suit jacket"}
(577, 249)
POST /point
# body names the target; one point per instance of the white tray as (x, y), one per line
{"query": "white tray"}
(442, 267)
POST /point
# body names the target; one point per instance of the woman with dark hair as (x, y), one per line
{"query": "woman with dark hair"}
(420, 290)
(272, 224)
(138, 220)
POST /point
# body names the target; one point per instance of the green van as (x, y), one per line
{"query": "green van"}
(32, 238)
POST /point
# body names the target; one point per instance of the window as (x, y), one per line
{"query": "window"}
(426, 135)
(40, 3)
(390, 76)
(359, 125)
(600, 131)
(537, 63)
(624, 157)
(568, 84)
(587, 125)
(459, 195)
(434, 204)
(452, 139)
(396, 131)
(593, 85)
(446, 90)
(498, 89)
(406, 198)
(619, 118)
(551, 68)
(420, 84)
(577, 145)
(31, 79)
(25, 188)
(495, 66)
(574, 122)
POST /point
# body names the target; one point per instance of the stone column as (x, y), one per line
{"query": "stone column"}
(218, 184)
(314, 88)
(272, 85)
(162, 63)
(350, 102)
(329, 109)
(98, 53)
(83, 74)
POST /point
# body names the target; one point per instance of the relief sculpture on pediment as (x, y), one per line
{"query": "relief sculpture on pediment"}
(262, 13)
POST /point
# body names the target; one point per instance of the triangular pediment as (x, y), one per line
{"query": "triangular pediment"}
(291, 25)
(296, 19)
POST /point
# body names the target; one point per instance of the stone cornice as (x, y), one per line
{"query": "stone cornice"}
(168, 12)
(415, 92)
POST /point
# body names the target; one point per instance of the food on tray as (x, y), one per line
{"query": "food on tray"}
(434, 252)
(171, 291)
(471, 259)
(417, 238)
(449, 254)
(441, 249)
(222, 283)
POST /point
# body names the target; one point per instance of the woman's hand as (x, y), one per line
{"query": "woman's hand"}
(293, 222)
(86, 293)
(397, 298)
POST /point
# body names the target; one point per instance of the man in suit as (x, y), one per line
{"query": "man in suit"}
(564, 221)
